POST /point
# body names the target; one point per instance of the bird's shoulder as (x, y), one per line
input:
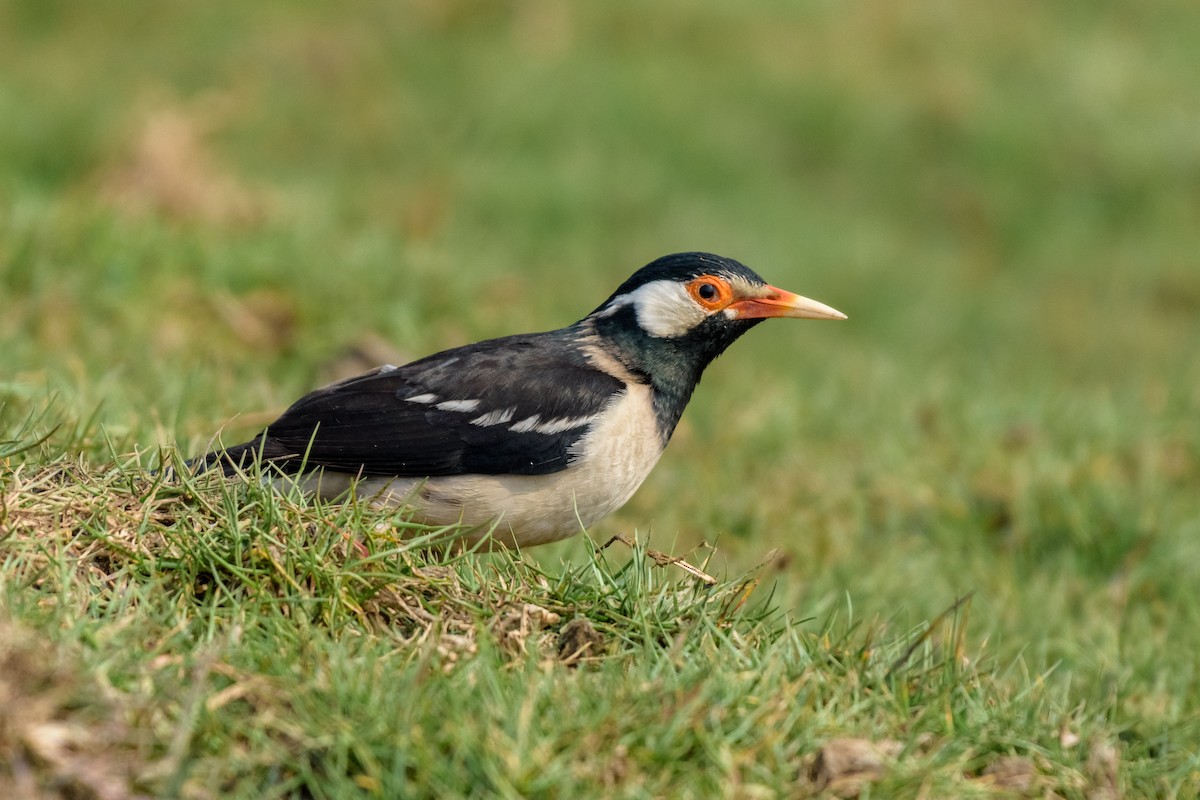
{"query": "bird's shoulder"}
(552, 374)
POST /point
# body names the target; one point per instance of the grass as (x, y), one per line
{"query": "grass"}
(229, 640)
(207, 210)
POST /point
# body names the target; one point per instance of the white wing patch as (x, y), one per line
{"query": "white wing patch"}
(561, 424)
(551, 426)
(457, 405)
(498, 417)
(421, 398)
(526, 425)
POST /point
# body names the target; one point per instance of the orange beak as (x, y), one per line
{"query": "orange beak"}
(778, 303)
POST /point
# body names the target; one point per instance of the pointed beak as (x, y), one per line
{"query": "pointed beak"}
(778, 303)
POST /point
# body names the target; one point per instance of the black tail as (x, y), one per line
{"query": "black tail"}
(231, 460)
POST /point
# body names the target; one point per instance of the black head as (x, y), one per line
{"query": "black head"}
(672, 317)
(689, 295)
(684, 267)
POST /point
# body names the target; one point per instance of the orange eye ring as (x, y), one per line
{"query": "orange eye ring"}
(710, 292)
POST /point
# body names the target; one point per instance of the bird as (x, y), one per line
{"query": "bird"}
(530, 438)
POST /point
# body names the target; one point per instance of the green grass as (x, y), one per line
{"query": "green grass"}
(203, 207)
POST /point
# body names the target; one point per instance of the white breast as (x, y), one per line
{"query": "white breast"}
(611, 462)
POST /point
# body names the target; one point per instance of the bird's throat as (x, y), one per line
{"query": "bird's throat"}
(670, 366)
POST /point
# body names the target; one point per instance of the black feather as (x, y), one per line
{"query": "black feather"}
(367, 425)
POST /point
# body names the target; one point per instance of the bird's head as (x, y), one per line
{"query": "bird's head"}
(694, 305)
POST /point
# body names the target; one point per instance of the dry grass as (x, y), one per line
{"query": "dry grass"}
(115, 527)
(120, 551)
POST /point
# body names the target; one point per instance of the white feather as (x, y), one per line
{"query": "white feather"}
(497, 417)
(663, 308)
(458, 405)
(525, 425)
(561, 424)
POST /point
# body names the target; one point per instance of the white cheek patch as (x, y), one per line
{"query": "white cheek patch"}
(665, 309)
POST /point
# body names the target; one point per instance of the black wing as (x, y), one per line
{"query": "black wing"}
(512, 405)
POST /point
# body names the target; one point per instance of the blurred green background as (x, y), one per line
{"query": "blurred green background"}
(203, 205)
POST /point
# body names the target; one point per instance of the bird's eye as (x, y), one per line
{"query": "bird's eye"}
(711, 292)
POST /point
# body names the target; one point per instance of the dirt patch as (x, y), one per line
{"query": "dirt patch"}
(57, 739)
(579, 641)
(1011, 773)
(169, 167)
(844, 767)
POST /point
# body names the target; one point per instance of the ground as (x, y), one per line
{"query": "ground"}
(952, 541)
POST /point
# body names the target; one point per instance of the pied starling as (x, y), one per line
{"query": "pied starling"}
(531, 437)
